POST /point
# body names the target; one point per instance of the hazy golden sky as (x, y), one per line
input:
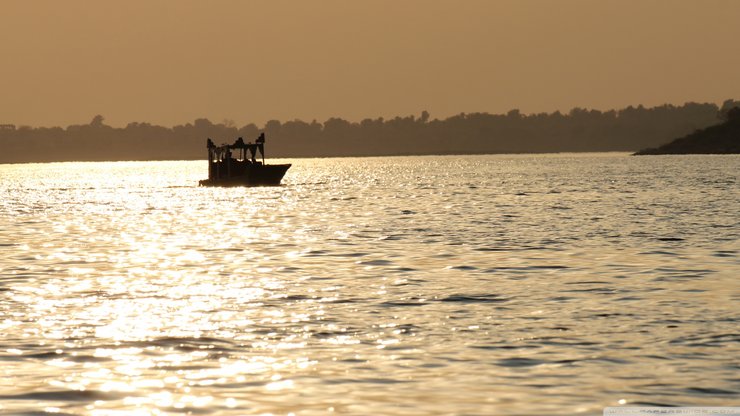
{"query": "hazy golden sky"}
(169, 62)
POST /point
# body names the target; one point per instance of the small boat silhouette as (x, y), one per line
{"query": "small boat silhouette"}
(224, 169)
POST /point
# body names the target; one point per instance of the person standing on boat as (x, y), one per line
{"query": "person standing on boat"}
(261, 145)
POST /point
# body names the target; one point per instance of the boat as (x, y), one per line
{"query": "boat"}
(237, 165)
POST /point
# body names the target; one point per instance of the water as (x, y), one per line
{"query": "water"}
(512, 285)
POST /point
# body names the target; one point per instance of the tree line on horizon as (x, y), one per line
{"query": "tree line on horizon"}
(580, 130)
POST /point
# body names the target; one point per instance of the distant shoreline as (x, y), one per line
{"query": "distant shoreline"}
(580, 130)
(553, 154)
(721, 139)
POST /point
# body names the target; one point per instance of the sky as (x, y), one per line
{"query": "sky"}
(170, 62)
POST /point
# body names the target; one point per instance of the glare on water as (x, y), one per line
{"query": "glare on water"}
(550, 284)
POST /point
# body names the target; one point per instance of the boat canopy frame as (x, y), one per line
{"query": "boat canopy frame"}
(223, 152)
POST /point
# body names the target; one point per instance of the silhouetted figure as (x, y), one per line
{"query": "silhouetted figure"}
(210, 144)
(261, 146)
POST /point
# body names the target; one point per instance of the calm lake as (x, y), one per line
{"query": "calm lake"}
(450, 285)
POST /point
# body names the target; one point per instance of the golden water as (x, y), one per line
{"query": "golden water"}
(551, 284)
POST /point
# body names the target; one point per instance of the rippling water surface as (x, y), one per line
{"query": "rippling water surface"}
(552, 284)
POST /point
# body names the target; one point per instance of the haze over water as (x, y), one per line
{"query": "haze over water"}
(515, 285)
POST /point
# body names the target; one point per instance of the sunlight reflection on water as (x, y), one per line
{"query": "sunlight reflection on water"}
(549, 284)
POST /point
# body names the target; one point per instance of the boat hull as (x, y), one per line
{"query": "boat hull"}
(253, 175)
